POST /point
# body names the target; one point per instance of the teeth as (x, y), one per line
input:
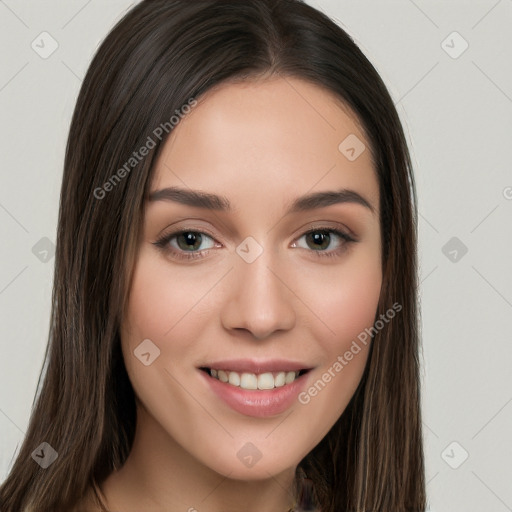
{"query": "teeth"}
(280, 379)
(234, 379)
(290, 377)
(266, 381)
(248, 381)
(252, 381)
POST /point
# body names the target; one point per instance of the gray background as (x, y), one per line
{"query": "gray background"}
(457, 112)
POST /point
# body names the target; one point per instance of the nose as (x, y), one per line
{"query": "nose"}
(259, 299)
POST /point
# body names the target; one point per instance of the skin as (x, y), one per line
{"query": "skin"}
(261, 144)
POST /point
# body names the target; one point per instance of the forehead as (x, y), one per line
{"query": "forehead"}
(282, 135)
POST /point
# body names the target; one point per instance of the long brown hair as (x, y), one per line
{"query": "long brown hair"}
(158, 57)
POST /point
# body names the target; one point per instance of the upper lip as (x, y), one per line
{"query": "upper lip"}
(257, 366)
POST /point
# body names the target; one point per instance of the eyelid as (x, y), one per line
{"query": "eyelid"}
(163, 240)
(186, 229)
(327, 226)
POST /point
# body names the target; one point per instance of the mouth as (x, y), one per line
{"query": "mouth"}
(262, 381)
(260, 391)
(256, 387)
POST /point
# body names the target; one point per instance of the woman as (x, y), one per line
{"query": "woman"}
(234, 322)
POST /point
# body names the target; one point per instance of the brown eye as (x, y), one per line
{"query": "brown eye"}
(318, 240)
(189, 240)
(325, 241)
(181, 242)
(322, 239)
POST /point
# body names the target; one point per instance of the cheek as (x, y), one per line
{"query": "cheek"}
(171, 308)
(344, 299)
(159, 310)
(350, 305)
(346, 304)
(156, 310)
(161, 299)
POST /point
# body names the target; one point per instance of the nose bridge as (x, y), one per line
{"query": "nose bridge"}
(259, 301)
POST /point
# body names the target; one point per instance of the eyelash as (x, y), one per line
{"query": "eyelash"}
(163, 241)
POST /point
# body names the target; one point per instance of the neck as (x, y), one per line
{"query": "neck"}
(160, 475)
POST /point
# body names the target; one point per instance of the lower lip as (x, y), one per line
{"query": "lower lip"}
(257, 403)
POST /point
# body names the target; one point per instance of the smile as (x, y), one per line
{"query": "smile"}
(255, 381)
(257, 388)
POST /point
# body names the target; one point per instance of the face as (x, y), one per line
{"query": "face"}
(266, 280)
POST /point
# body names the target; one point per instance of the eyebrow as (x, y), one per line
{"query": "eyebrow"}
(215, 202)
